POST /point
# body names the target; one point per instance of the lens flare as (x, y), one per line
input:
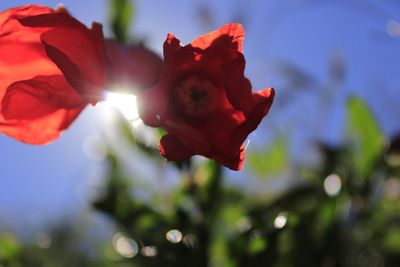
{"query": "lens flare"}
(125, 104)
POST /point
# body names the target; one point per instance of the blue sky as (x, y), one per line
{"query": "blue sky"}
(40, 182)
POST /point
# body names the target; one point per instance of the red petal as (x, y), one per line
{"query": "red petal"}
(37, 110)
(234, 162)
(53, 19)
(11, 15)
(217, 127)
(77, 51)
(18, 44)
(152, 106)
(189, 136)
(171, 46)
(178, 58)
(262, 101)
(133, 66)
(228, 36)
(23, 57)
(238, 87)
(173, 149)
(52, 91)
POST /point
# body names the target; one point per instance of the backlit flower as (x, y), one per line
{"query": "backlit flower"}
(36, 102)
(203, 99)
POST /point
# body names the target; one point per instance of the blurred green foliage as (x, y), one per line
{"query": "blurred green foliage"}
(368, 140)
(271, 161)
(329, 218)
(120, 16)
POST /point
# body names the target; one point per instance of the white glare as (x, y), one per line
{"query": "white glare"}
(124, 103)
(280, 220)
(332, 185)
(126, 247)
(174, 236)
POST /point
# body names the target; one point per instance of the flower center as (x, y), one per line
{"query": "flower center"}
(196, 96)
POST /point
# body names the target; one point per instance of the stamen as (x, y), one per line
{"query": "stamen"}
(196, 96)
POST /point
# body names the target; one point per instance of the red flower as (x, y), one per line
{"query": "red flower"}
(203, 99)
(78, 51)
(51, 66)
(36, 102)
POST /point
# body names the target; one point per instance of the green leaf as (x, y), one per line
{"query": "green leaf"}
(366, 137)
(270, 161)
(121, 14)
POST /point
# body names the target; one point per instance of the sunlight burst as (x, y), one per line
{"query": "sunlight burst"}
(124, 103)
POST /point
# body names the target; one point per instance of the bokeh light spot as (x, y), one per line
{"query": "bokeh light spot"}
(280, 220)
(332, 185)
(174, 236)
(43, 240)
(392, 188)
(126, 247)
(393, 28)
(244, 224)
(149, 251)
(190, 240)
